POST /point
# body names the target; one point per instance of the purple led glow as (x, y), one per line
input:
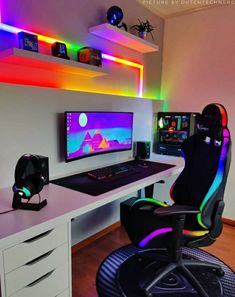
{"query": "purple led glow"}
(155, 233)
(226, 133)
(90, 133)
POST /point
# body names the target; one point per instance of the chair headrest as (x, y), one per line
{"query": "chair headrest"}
(213, 120)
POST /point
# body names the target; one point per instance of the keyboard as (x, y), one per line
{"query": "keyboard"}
(106, 173)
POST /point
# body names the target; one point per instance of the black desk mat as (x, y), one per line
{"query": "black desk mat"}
(83, 183)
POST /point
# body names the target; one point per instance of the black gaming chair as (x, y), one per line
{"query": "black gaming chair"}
(194, 220)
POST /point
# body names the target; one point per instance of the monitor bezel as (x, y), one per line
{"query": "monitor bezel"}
(98, 153)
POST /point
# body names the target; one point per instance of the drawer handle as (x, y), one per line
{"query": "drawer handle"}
(38, 237)
(34, 283)
(38, 259)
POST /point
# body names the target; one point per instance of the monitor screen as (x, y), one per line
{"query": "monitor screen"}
(173, 128)
(92, 133)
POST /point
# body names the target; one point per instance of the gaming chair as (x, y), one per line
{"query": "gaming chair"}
(194, 219)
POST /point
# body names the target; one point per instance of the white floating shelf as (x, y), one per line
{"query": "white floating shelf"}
(22, 57)
(123, 38)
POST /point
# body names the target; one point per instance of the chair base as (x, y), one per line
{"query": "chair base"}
(132, 272)
(169, 273)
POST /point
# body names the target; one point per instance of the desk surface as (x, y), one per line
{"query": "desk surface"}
(65, 204)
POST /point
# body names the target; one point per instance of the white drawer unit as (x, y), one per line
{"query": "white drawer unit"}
(39, 266)
(28, 273)
(28, 250)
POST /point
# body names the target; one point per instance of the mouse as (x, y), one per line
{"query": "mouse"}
(142, 164)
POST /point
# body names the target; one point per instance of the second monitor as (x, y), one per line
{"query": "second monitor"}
(173, 128)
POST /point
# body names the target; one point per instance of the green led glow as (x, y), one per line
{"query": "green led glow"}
(26, 191)
(165, 106)
(158, 202)
(199, 218)
(73, 47)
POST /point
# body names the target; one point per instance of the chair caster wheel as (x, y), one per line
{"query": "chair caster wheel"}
(219, 272)
(148, 294)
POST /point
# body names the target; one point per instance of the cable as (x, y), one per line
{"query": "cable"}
(8, 211)
(39, 198)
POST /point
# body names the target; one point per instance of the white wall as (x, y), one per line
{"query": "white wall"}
(199, 68)
(31, 117)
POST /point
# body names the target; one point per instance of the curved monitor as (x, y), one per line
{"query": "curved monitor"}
(92, 133)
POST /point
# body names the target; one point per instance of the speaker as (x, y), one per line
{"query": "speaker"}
(143, 150)
(44, 168)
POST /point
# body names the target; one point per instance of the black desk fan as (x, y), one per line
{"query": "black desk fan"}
(28, 182)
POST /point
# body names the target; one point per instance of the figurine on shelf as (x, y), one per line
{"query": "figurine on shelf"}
(143, 28)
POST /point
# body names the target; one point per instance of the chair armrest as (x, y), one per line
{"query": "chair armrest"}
(176, 210)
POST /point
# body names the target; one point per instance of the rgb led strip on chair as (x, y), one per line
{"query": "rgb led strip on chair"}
(220, 171)
(165, 230)
(218, 178)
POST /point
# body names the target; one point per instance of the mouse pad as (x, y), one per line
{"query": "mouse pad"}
(83, 183)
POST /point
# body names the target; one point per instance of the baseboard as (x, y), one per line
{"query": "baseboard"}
(92, 238)
(229, 222)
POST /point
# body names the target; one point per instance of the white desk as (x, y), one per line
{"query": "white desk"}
(17, 278)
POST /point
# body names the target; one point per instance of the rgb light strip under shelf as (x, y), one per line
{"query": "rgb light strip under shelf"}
(51, 40)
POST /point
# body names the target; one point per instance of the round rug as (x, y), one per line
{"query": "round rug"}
(125, 271)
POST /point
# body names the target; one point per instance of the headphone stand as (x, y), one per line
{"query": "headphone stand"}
(18, 204)
(33, 206)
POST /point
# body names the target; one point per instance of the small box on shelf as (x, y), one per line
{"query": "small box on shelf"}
(89, 55)
(28, 41)
(59, 49)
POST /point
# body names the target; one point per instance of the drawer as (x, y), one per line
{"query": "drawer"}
(50, 285)
(28, 250)
(26, 274)
(64, 294)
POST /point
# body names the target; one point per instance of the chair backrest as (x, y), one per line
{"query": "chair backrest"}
(207, 161)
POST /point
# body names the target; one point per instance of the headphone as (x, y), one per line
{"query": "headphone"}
(115, 16)
(28, 178)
